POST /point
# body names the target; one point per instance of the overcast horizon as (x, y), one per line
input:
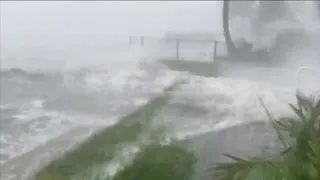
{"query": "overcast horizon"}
(50, 22)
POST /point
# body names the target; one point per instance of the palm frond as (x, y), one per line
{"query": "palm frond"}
(274, 123)
(300, 158)
(239, 169)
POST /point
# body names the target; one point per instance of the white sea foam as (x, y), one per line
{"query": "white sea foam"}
(235, 101)
(131, 80)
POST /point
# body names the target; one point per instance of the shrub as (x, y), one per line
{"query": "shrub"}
(299, 159)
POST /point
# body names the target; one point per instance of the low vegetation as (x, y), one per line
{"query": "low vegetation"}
(161, 162)
(195, 67)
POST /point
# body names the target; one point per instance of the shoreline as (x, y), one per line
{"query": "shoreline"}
(25, 165)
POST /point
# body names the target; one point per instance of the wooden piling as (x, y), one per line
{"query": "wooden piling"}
(142, 41)
(177, 49)
(215, 50)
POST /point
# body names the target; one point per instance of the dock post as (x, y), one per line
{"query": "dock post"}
(142, 41)
(215, 50)
(177, 49)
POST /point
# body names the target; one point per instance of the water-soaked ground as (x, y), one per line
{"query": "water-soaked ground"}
(242, 140)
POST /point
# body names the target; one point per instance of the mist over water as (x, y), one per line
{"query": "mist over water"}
(294, 33)
(86, 32)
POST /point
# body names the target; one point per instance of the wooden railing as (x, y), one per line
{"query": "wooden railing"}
(178, 41)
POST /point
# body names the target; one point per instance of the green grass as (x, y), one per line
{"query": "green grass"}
(102, 147)
(299, 158)
(200, 68)
(161, 162)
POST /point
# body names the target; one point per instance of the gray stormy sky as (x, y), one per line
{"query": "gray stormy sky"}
(50, 22)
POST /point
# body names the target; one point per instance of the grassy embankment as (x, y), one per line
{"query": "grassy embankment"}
(84, 161)
(103, 147)
(200, 68)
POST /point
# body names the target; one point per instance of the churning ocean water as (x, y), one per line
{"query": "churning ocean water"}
(39, 104)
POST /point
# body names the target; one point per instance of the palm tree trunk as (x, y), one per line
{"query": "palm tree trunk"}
(230, 45)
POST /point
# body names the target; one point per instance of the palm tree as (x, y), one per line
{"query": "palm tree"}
(278, 8)
(230, 45)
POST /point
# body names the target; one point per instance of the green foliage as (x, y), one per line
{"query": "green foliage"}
(196, 67)
(298, 160)
(160, 162)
